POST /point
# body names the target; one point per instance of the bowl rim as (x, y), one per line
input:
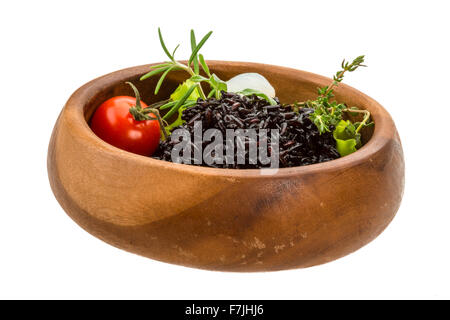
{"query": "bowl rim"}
(74, 110)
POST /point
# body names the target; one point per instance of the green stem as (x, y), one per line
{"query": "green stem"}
(191, 72)
(366, 117)
(136, 94)
(140, 114)
(158, 117)
(136, 111)
(341, 74)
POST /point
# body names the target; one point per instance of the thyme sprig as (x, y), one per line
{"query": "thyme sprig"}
(328, 113)
(346, 66)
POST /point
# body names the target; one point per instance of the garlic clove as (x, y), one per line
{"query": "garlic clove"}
(253, 81)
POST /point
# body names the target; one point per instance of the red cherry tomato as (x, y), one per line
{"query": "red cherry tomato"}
(113, 122)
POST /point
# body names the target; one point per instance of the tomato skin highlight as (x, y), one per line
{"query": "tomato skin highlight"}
(113, 123)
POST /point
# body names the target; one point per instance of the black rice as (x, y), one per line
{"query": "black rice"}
(299, 144)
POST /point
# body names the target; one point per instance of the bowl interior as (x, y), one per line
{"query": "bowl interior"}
(290, 86)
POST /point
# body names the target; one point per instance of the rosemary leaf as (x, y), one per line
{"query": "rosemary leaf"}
(193, 45)
(198, 47)
(153, 72)
(180, 102)
(204, 65)
(164, 46)
(160, 81)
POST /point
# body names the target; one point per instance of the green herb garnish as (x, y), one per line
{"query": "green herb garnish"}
(180, 99)
(182, 89)
(329, 114)
(326, 112)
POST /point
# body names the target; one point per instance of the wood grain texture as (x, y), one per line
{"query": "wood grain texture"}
(225, 219)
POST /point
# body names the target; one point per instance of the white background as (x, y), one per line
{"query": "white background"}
(50, 48)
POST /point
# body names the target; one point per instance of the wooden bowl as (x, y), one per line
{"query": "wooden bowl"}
(225, 219)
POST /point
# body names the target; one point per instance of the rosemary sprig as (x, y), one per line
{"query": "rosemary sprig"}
(196, 60)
